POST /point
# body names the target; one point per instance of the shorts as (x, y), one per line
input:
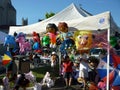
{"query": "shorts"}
(67, 75)
(83, 73)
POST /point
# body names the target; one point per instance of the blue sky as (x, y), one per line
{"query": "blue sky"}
(36, 9)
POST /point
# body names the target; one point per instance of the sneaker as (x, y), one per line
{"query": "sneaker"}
(66, 87)
(69, 88)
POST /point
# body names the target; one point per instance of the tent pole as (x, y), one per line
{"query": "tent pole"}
(108, 58)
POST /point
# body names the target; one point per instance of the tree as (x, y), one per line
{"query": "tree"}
(39, 20)
(47, 15)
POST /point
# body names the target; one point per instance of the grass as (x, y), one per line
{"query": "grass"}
(40, 72)
(1, 77)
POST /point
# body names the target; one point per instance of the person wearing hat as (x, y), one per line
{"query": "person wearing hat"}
(53, 60)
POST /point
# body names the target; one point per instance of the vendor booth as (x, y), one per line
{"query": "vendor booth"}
(76, 21)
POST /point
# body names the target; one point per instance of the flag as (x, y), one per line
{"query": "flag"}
(117, 80)
(111, 77)
(102, 73)
(102, 64)
(110, 60)
(116, 60)
(102, 68)
(7, 58)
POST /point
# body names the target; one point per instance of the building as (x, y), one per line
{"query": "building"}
(7, 13)
(24, 21)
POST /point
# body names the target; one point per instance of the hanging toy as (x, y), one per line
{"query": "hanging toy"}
(51, 29)
(83, 41)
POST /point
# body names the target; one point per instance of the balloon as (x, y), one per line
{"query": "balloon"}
(21, 34)
(10, 40)
(36, 46)
(83, 40)
(113, 41)
(36, 37)
(63, 27)
(46, 40)
(66, 45)
(101, 84)
(23, 44)
(52, 29)
(52, 38)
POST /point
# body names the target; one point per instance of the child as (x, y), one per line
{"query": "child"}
(47, 80)
(6, 81)
(67, 71)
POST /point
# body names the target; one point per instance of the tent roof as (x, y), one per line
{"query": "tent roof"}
(75, 20)
(69, 13)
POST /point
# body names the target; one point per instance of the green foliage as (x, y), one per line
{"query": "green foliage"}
(113, 41)
(48, 15)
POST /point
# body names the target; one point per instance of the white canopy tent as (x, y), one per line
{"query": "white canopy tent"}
(100, 21)
(70, 13)
(77, 19)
